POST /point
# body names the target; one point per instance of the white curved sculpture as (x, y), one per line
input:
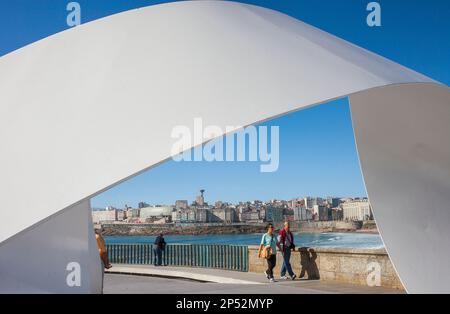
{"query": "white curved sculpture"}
(89, 107)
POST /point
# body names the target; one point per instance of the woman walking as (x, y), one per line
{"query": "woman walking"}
(268, 250)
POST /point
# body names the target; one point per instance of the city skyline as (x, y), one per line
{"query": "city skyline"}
(200, 211)
(149, 203)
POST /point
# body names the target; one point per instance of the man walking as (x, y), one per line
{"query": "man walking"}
(286, 244)
(158, 248)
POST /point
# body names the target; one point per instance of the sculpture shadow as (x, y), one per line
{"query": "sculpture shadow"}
(308, 264)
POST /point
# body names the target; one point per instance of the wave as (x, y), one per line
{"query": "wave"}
(334, 239)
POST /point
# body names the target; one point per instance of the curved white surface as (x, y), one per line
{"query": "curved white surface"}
(89, 107)
(402, 135)
(37, 261)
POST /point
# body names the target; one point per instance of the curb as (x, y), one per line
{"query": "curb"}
(177, 274)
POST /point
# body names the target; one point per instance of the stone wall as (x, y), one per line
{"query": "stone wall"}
(322, 226)
(343, 265)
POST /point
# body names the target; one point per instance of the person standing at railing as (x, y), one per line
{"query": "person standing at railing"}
(103, 252)
(102, 249)
(158, 247)
(286, 244)
(268, 250)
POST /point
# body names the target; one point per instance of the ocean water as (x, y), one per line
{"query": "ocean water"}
(339, 240)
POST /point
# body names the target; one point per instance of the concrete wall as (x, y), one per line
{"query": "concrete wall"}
(343, 265)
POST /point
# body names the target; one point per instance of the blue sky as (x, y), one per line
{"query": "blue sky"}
(317, 150)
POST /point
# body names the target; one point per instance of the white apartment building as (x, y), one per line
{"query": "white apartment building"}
(188, 215)
(301, 213)
(176, 215)
(310, 202)
(226, 215)
(357, 210)
(155, 212)
(99, 216)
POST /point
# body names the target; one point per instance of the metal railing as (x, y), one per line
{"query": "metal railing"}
(230, 257)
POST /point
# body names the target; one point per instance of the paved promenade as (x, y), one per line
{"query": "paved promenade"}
(163, 279)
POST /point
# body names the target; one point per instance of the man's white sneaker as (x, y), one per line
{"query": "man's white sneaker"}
(284, 277)
(293, 277)
(272, 280)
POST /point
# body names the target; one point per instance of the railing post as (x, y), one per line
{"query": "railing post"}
(228, 257)
(133, 255)
(183, 255)
(203, 255)
(140, 253)
(152, 253)
(236, 257)
(145, 248)
(239, 257)
(169, 255)
(246, 259)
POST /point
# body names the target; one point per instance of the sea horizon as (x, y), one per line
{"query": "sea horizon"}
(328, 239)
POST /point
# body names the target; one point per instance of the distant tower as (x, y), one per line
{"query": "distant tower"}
(200, 200)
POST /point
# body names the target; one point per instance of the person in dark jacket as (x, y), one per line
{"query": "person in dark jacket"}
(286, 245)
(158, 247)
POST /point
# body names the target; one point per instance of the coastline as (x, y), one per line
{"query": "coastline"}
(151, 230)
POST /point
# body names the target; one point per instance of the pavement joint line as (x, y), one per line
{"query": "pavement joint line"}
(154, 275)
(178, 274)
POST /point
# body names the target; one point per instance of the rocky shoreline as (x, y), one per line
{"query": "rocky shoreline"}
(149, 230)
(135, 230)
